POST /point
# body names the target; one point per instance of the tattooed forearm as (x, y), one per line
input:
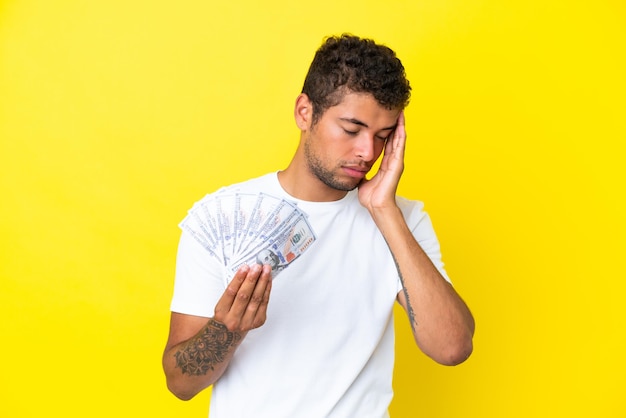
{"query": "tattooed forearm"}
(205, 351)
(409, 306)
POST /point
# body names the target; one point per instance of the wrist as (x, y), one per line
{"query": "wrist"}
(387, 217)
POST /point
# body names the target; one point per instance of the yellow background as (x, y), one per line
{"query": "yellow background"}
(115, 116)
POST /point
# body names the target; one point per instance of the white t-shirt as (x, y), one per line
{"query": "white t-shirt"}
(327, 346)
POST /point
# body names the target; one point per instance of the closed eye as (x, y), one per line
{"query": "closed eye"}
(354, 133)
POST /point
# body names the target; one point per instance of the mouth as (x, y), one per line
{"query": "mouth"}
(357, 172)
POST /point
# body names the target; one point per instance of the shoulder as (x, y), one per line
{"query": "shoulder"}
(253, 185)
(263, 181)
(413, 210)
(410, 204)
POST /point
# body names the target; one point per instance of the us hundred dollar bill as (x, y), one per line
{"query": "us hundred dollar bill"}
(282, 249)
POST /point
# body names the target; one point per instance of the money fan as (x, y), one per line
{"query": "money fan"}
(245, 228)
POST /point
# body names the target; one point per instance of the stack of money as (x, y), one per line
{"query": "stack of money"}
(239, 228)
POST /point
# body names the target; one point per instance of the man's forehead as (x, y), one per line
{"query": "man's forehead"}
(364, 110)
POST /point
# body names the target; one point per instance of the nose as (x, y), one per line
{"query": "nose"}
(364, 147)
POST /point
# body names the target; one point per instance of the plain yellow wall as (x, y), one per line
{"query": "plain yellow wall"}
(115, 116)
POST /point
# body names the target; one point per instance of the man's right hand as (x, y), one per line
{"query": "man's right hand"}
(243, 306)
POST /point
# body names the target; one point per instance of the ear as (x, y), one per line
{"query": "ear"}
(303, 112)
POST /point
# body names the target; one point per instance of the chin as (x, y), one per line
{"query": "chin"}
(344, 187)
(333, 181)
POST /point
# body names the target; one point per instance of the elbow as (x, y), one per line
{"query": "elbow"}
(181, 388)
(451, 351)
(456, 354)
(183, 396)
(460, 345)
(181, 393)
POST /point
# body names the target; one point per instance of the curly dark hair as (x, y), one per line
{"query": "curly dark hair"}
(348, 63)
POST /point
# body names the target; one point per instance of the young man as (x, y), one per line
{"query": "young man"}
(318, 340)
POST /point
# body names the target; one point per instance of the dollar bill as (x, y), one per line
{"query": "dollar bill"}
(246, 228)
(281, 249)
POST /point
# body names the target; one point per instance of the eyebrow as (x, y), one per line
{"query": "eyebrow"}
(360, 123)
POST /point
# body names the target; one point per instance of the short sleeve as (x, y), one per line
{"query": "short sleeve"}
(200, 279)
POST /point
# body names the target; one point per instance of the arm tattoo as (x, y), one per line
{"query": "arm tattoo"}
(206, 350)
(409, 307)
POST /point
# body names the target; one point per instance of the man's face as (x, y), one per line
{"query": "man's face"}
(345, 142)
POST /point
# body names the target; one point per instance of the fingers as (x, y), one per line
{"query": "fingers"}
(393, 161)
(259, 310)
(243, 306)
(255, 307)
(399, 136)
(394, 148)
(230, 293)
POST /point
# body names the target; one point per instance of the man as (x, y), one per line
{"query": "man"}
(322, 344)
